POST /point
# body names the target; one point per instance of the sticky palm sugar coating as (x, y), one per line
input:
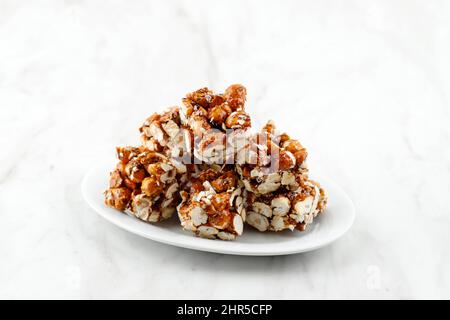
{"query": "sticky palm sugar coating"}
(144, 184)
(163, 132)
(201, 161)
(273, 170)
(213, 204)
(271, 160)
(285, 209)
(212, 117)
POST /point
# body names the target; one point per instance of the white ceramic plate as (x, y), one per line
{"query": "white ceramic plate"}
(326, 228)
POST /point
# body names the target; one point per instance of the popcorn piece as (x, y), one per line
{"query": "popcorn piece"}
(219, 114)
(143, 184)
(161, 128)
(282, 210)
(163, 132)
(238, 120)
(213, 205)
(118, 198)
(236, 95)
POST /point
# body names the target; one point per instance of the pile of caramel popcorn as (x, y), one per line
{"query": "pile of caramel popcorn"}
(202, 161)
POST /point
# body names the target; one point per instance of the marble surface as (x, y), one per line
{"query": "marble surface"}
(364, 85)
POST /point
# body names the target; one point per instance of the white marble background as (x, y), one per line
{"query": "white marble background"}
(365, 85)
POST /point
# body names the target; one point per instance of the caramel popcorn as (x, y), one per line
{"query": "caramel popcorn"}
(235, 96)
(284, 209)
(163, 132)
(271, 160)
(212, 117)
(214, 204)
(118, 198)
(274, 172)
(144, 184)
(201, 161)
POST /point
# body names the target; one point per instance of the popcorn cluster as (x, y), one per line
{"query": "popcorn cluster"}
(213, 203)
(144, 184)
(201, 161)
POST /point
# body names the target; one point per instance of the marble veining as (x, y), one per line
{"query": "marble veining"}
(364, 85)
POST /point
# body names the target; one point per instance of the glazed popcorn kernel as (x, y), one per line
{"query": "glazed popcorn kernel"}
(124, 154)
(205, 98)
(238, 120)
(219, 114)
(118, 198)
(236, 95)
